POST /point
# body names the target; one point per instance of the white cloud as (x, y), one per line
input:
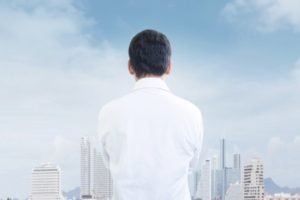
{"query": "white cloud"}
(52, 84)
(266, 15)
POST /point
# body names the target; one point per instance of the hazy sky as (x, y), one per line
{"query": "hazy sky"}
(61, 60)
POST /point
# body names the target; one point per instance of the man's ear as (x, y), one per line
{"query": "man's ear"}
(168, 70)
(130, 68)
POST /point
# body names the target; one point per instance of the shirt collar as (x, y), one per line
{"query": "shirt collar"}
(151, 82)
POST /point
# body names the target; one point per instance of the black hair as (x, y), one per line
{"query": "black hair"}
(149, 53)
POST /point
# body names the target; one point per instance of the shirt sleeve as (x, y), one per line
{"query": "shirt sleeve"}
(103, 130)
(198, 141)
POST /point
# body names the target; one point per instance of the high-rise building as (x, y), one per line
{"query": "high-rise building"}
(46, 183)
(85, 164)
(222, 154)
(204, 189)
(223, 168)
(237, 161)
(192, 179)
(233, 175)
(103, 186)
(224, 176)
(214, 177)
(218, 184)
(197, 177)
(254, 180)
(214, 162)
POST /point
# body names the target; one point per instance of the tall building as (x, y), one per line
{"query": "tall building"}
(214, 177)
(218, 185)
(233, 175)
(85, 168)
(237, 161)
(196, 184)
(214, 162)
(103, 186)
(254, 180)
(192, 179)
(204, 189)
(222, 154)
(223, 169)
(46, 183)
(224, 176)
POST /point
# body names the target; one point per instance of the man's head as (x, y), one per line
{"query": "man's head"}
(149, 54)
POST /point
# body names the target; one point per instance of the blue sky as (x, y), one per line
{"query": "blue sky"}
(61, 60)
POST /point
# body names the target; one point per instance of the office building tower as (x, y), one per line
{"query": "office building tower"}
(85, 164)
(204, 188)
(234, 192)
(218, 184)
(254, 180)
(213, 177)
(214, 162)
(224, 176)
(222, 154)
(228, 176)
(237, 161)
(46, 183)
(103, 185)
(233, 175)
(222, 168)
(198, 178)
(192, 179)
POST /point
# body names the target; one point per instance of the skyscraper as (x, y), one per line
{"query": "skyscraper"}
(192, 178)
(85, 164)
(222, 154)
(204, 189)
(237, 161)
(46, 183)
(103, 187)
(223, 168)
(254, 180)
(218, 185)
(224, 176)
(214, 177)
(233, 175)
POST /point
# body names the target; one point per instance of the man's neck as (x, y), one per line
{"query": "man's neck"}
(150, 76)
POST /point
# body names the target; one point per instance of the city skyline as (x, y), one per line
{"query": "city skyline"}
(61, 60)
(206, 182)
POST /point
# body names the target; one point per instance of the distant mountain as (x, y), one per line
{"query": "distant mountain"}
(271, 187)
(75, 193)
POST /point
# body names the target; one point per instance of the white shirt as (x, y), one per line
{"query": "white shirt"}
(150, 139)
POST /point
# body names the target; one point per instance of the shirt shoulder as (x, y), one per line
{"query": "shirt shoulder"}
(112, 107)
(188, 106)
(127, 103)
(113, 104)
